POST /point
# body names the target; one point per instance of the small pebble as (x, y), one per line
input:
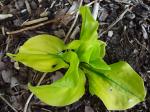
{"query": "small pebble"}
(110, 33)
(88, 109)
(60, 33)
(135, 51)
(16, 65)
(6, 75)
(24, 14)
(131, 16)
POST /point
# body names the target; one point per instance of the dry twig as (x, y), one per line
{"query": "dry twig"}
(28, 6)
(74, 32)
(89, 4)
(31, 95)
(35, 21)
(37, 25)
(74, 22)
(32, 27)
(95, 9)
(117, 20)
(5, 16)
(8, 103)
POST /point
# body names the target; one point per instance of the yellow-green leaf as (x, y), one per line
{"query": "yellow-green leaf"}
(90, 47)
(75, 44)
(66, 90)
(119, 88)
(100, 64)
(40, 62)
(42, 53)
(98, 50)
(42, 44)
(89, 25)
(91, 50)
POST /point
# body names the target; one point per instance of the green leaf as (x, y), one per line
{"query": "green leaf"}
(119, 88)
(42, 52)
(85, 50)
(66, 90)
(40, 62)
(90, 48)
(75, 44)
(100, 64)
(43, 44)
(89, 25)
(88, 35)
(98, 50)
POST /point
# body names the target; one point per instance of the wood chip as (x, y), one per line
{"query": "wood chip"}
(28, 6)
(27, 23)
(5, 16)
(6, 75)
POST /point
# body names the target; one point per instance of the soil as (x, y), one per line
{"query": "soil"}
(128, 40)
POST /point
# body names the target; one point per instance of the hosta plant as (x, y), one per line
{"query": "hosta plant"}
(117, 85)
